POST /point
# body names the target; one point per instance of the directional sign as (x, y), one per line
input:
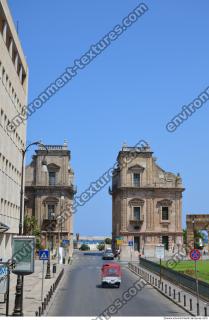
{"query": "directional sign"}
(119, 238)
(195, 254)
(43, 254)
(119, 242)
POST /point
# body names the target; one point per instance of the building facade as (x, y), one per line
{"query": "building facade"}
(146, 204)
(49, 196)
(13, 98)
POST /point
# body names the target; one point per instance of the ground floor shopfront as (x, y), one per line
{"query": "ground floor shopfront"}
(145, 243)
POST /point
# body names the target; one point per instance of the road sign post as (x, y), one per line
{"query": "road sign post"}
(195, 256)
(160, 254)
(43, 256)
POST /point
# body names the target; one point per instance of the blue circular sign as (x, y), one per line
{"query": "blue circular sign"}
(195, 254)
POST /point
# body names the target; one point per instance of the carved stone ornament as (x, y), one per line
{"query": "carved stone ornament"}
(164, 203)
(136, 202)
(136, 168)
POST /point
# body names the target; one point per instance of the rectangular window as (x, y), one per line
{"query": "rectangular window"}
(165, 212)
(137, 213)
(136, 179)
(51, 210)
(52, 178)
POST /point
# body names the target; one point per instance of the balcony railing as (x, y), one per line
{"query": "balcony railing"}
(136, 223)
(49, 225)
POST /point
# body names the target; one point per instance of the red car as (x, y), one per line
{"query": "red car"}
(111, 275)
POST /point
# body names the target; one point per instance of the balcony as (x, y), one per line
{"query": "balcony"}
(136, 223)
(49, 225)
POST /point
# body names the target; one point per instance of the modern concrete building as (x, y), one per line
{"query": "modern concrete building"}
(49, 195)
(146, 204)
(13, 97)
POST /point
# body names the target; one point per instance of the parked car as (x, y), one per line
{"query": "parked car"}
(108, 255)
(111, 275)
(84, 247)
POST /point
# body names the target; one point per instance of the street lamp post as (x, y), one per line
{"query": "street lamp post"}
(48, 270)
(18, 308)
(193, 222)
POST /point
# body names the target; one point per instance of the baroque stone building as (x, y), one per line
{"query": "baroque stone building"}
(13, 98)
(146, 204)
(49, 195)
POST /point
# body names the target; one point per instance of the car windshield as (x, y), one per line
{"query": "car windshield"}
(109, 251)
(112, 272)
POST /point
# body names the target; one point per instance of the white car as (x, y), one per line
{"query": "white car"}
(108, 255)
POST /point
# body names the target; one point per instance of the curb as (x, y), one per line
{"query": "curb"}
(44, 304)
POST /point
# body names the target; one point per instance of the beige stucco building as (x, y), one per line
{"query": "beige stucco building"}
(146, 204)
(49, 195)
(13, 97)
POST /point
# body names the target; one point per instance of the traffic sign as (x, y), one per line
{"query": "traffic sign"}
(195, 254)
(43, 254)
(130, 243)
(160, 251)
(65, 242)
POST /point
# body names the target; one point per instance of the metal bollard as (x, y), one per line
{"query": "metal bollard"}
(159, 284)
(169, 291)
(162, 286)
(179, 297)
(36, 313)
(42, 307)
(190, 304)
(185, 302)
(166, 286)
(198, 309)
(156, 282)
(205, 312)
(174, 294)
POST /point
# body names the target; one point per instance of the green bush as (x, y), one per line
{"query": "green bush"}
(84, 247)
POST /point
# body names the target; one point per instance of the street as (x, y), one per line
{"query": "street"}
(80, 293)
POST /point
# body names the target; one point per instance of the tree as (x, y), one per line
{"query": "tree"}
(185, 236)
(101, 246)
(108, 241)
(84, 247)
(31, 228)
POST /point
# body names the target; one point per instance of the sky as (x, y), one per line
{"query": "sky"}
(129, 92)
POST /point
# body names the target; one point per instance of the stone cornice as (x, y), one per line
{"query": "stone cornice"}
(131, 188)
(151, 233)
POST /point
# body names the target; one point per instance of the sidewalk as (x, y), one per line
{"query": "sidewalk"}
(32, 289)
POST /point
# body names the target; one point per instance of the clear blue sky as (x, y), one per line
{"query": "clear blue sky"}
(128, 93)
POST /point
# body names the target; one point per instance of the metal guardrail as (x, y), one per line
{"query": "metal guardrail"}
(176, 277)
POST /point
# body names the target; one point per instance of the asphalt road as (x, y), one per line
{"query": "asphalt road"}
(80, 294)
